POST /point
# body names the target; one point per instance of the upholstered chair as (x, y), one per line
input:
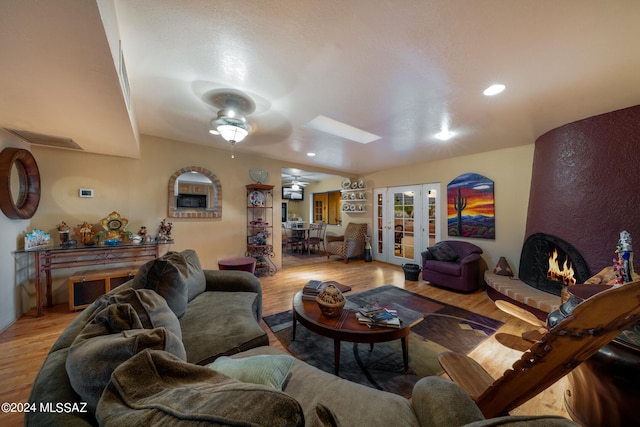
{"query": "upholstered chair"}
(452, 264)
(349, 245)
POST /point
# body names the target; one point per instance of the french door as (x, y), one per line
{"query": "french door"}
(430, 214)
(406, 222)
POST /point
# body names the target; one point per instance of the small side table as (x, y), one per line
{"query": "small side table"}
(241, 263)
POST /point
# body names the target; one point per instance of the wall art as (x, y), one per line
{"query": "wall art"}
(471, 207)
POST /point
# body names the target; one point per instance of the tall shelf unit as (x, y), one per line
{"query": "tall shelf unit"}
(260, 227)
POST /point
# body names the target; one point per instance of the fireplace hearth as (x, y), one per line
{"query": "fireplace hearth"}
(539, 251)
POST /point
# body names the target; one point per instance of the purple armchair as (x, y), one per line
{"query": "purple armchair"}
(452, 264)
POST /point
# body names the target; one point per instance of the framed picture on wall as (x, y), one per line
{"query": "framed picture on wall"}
(471, 207)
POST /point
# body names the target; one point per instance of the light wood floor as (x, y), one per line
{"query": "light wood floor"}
(24, 344)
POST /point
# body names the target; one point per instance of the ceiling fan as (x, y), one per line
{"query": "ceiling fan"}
(239, 115)
(231, 122)
(295, 182)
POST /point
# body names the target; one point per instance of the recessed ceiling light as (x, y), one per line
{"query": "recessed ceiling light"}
(444, 135)
(494, 89)
(311, 154)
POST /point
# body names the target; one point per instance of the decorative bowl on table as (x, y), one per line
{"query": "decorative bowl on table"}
(331, 301)
(111, 242)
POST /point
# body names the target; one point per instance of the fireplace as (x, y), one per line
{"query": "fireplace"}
(542, 251)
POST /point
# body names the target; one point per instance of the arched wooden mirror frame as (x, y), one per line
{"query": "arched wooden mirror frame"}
(25, 203)
(215, 203)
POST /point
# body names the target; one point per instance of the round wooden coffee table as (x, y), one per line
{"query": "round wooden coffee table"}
(347, 328)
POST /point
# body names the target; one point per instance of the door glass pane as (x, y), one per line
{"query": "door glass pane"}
(317, 211)
(379, 223)
(403, 224)
(432, 196)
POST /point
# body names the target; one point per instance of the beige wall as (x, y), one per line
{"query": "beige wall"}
(510, 169)
(137, 189)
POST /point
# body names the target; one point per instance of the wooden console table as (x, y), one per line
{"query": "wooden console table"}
(47, 259)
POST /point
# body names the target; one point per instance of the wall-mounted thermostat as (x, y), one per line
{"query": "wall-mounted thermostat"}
(86, 192)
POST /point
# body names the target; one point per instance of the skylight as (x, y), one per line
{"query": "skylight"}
(343, 130)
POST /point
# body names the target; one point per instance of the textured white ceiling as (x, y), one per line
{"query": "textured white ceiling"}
(398, 69)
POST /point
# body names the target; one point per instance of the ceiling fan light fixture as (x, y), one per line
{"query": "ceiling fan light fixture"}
(232, 133)
(295, 187)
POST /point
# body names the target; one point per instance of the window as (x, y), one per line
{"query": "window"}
(326, 207)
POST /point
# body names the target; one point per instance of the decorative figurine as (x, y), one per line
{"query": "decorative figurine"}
(623, 264)
(85, 232)
(144, 236)
(63, 231)
(164, 231)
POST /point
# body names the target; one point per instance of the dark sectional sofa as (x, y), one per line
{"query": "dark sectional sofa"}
(154, 351)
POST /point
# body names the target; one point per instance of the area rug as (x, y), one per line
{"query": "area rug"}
(445, 328)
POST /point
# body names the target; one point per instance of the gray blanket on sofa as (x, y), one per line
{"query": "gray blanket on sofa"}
(157, 388)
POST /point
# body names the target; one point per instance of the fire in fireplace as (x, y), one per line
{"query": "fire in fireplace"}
(549, 263)
(566, 276)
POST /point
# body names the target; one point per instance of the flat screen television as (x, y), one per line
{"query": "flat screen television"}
(191, 201)
(290, 194)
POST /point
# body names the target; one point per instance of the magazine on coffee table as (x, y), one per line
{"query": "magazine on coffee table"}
(387, 318)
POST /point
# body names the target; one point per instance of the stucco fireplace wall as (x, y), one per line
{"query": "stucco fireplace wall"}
(585, 185)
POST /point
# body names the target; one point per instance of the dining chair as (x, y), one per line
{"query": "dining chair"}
(592, 324)
(316, 236)
(288, 240)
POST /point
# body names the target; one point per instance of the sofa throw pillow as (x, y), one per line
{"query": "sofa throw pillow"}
(265, 369)
(196, 283)
(503, 268)
(156, 388)
(93, 358)
(169, 277)
(441, 251)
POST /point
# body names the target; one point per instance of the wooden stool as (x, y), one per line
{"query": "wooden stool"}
(243, 263)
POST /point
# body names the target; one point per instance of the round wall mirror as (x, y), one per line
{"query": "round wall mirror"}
(20, 186)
